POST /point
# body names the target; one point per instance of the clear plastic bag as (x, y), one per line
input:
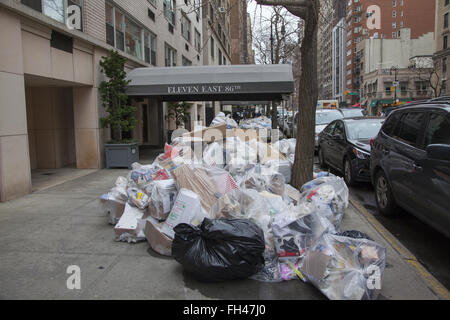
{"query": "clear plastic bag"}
(119, 191)
(330, 195)
(138, 198)
(285, 146)
(294, 232)
(344, 268)
(214, 155)
(162, 198)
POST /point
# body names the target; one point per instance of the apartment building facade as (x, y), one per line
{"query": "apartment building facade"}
(442, 55)
(338, 52)
(396, 70)
(50, 107)
(381, 19)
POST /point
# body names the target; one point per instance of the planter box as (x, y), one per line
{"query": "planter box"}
(121, 155)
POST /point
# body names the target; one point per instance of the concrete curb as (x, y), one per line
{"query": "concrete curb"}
(406, 255)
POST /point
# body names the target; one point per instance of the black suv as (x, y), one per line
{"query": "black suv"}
(410, 163)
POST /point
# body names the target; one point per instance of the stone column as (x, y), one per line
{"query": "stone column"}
(15, 172)
(87, 108)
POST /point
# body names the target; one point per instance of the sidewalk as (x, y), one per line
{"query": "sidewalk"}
(45, 232)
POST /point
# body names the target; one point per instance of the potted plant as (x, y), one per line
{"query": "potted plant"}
(178, 112)
(121, 151)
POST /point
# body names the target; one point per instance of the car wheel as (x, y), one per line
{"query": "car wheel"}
(349, 177)
(322, 163)
(383, 195)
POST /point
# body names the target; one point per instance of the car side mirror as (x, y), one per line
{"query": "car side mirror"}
(438, 152)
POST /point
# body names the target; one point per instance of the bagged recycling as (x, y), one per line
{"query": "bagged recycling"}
(138, 198)
(294, 233)
(330, 195)
(163, 194)
(219, 250)
(344, 268)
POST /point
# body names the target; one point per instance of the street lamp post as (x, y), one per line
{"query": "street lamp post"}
(395, 69)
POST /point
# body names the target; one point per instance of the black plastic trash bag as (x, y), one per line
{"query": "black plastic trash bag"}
(219, 250)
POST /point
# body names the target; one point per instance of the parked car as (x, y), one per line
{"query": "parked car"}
(323, 118)
(345, 145)
(410, 163)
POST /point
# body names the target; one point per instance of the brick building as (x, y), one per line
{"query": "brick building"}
(417, 15)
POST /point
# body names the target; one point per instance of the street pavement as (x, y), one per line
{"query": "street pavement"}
(43, 233)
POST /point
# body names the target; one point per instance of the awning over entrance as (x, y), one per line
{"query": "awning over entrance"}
(213, 83)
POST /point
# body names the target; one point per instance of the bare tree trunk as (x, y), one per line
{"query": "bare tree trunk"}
(274, 116)
(308, 94)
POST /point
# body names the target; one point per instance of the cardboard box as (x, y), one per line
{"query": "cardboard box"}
(128, 223)
(210, 134)
(186, 207)
(158, 241)
(199, 182)
(114, 209)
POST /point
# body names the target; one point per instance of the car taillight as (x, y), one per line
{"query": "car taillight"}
(371, 142)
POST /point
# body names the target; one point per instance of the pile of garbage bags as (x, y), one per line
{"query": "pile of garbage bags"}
(225, 210)
(221, 118)
(262, 122)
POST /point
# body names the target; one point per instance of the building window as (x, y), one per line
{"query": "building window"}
(444, 67)
(394, 25)
(445, 44)
(153, 2)
(170, 56)
(55, 9)
(186, 28)
(394, 14)
(394, 35)
(185, 62)
(212, 48)
(198, 41)
(109, 24)
(447, 2)
(404, 87)
(394, 3)
(128, 36)
(444, 86)
(169, 11)
(446, 20)
(220, 57)
(119, 21)
(133, 39)
(388, 87)
(150, 48)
